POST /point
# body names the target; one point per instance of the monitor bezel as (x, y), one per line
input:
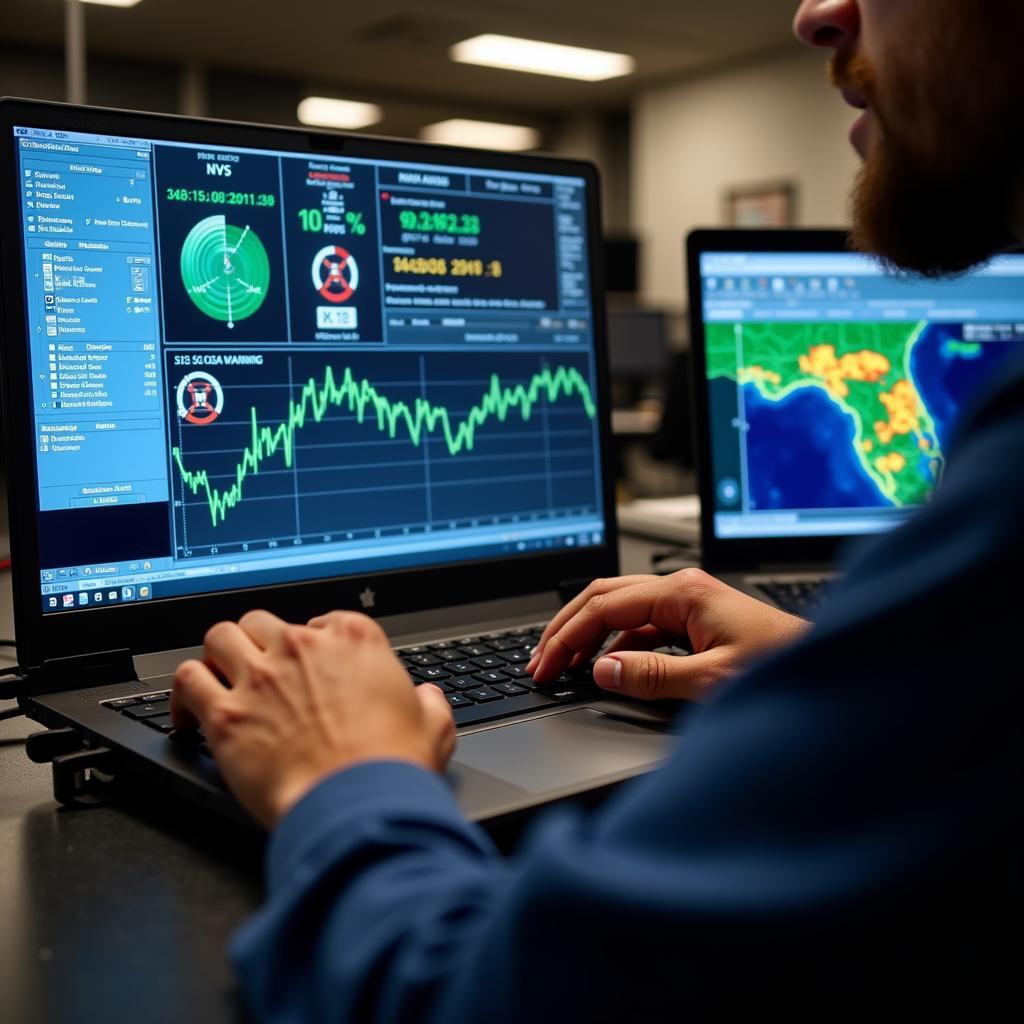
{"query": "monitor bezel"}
(179, 622)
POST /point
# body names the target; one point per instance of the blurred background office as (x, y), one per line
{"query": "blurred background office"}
(697, 114)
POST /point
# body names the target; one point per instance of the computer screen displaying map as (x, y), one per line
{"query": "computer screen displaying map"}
(835, 387)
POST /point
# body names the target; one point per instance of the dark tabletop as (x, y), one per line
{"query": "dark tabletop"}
(122, 912)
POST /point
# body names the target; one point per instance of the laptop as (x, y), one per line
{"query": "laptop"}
(259, 367)
(827, 394)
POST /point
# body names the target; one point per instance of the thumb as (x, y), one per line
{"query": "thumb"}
(650, 676)
(438, 722)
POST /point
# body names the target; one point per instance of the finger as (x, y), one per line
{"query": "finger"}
(194, 692)
(601, 586)
(353, 625)
(229, 650)
(264, 629)
(440, 724)
(664, 602)
(650, 676)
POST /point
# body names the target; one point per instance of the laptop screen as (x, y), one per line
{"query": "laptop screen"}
(252, 367)
(834, 387)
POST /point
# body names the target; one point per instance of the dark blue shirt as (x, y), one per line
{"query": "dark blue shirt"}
(836, 833)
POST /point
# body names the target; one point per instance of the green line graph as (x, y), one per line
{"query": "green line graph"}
(363, 399)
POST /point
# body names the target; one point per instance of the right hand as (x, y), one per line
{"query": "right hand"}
(725, 629)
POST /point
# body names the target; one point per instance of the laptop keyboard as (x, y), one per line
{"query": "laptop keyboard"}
(482, 676)
(803, 597)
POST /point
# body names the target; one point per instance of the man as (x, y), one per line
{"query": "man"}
(838, 832)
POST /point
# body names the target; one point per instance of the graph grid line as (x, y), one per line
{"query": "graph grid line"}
(360, 397)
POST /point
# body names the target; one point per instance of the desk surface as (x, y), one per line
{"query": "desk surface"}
(122, 913)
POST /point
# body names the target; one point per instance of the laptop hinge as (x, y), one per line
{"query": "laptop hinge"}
(82, 671)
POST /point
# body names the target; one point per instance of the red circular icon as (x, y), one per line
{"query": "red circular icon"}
(335, 273)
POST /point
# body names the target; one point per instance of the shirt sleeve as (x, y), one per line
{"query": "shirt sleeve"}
(843, 819)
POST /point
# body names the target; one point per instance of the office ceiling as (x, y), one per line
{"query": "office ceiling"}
(398, 48)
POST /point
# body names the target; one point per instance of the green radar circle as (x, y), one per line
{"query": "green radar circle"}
(225, 270)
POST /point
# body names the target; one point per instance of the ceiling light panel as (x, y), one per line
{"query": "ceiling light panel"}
(541, 58)
(113, 3)
(512, 138)
(324, 112)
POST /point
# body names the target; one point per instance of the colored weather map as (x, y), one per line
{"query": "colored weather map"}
(850, 385)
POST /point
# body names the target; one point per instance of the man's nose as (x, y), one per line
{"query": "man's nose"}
(832, 24)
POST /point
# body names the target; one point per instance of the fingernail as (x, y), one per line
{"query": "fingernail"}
(608, 673)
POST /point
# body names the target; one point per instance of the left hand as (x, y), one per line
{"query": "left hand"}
(305, 702)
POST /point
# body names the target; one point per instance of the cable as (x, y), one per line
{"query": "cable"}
(12, 684)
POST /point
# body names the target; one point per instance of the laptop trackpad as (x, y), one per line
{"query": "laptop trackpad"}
(563, 752)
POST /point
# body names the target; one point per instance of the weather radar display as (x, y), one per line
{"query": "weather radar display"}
(225, 269)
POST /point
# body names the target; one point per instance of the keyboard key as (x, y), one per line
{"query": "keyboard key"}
(419, 649)
(483, 695)
(460, 668)
(509, 689)
(430, 674)
(493, 676)
(154, 698)
(515, 657)
(516, 671)
(141, 711)
(468, 640)
(441, 645)
(457, 700)
(476, 650)
(422, 660)
(464, 682)
(566, 694)
(501, 708)
(488, 661)
(121, 702)
(161, 722)
(505, 644)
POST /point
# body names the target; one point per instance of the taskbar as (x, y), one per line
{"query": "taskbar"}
(754, 525)
(88, 592)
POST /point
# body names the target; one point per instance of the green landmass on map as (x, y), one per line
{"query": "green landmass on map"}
(864, 367)
(965, 349)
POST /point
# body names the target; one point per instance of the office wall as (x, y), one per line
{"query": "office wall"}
(773, 119)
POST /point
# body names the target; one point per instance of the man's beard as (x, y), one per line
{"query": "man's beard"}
(920, 219)
(938, 194)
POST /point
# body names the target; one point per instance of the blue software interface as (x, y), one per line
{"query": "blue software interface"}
(835, 386)
(253, 367)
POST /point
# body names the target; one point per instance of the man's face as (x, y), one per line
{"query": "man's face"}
(941, 85)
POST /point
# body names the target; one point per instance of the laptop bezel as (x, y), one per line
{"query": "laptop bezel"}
(728, 554)
(172, 623)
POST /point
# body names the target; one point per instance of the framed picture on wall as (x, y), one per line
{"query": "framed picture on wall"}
(766, 205)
